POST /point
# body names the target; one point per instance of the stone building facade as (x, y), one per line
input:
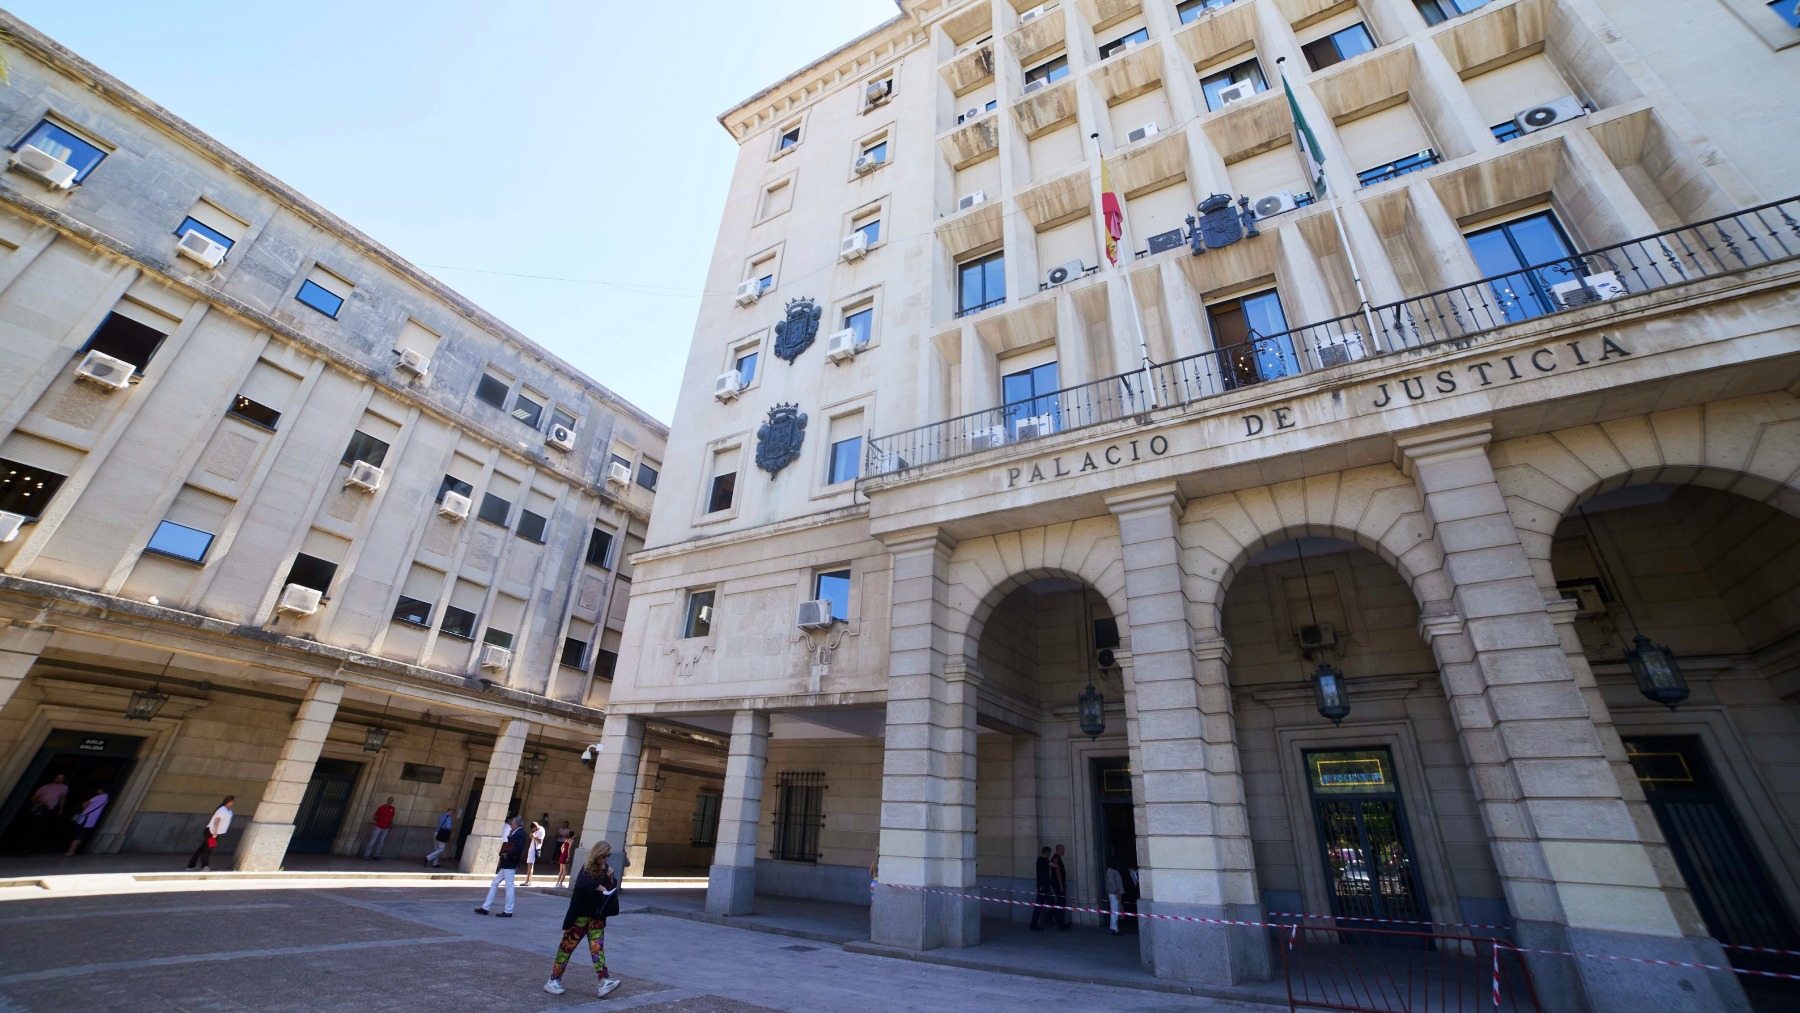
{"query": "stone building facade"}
(1547, 403)
(300, 525)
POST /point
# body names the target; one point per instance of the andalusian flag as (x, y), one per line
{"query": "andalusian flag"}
(1111, 211)
(1306, 142)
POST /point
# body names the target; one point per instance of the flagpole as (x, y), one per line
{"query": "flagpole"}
(1337, 216)
(1131, 293)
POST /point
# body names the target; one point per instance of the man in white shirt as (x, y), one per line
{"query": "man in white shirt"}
(87, 819)
(215, 829)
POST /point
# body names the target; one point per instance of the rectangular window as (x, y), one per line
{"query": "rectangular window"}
(1787, 10)
(452, 484)
(560, 417)
(599, 550)
(1507, 131)
(877, 151)
(646, 475)
(981, 283)
(834, 587)
(64, 145)
(788, 139)
(1213, 85)
(25, 490)
(1338, 47)
(1437, 12)
(1047, 72)
(846, 460)
(313, 572)
(320, 298)
(1188, 10)
(188, 528)
(1029, 396)
(492, 389)
(364, 447)
(180, 542)
(862, 321)
(1398, 167)
(605, 664)
(1524, 259)
(532, 526)
(869, 227)
(1124, 42)
(494, 510)
(706, 819)
(124, 338)
(458, 623)
(776, 199)
(412, 611)
(1251, 335)
(698, 622)
(724, 487)
(746, 368)
(191, 224)
(499, 638)
(253, 413)
(799, 815)
(574, 654)
(527, 410)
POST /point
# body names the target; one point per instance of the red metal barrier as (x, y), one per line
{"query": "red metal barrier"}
(1388, 971)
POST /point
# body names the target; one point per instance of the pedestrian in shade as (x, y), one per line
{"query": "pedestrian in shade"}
(536, 846)
(384, 821)
(1059, 885)
(512, 852)
(86, 819)
(1046, 892)
(215, 829)
(565, 853)
(46, 805)
(594, 899)
(1115, 893)
(445, 823)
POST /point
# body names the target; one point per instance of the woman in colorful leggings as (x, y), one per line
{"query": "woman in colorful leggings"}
(593, 899)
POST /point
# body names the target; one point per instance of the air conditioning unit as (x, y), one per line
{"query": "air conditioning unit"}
(1312, 638)
(103, 369)
(1170, 240)
(853, 246)
(10, 525)
(969, 200)
(455, 506)
(987, 438)
(415, 362)
(972, 113)
(1033, 14)
(617, 474)
(865, 164)
(36, 162)
(1343, 349)
(1035, 426)
(1147, 130)
(1591, 289)
(1274, 204)
(814, 615)
(749, 291)
(561, 437)
(1031, 86)
(300, 601)
(728, 385)
(841, 345)
(887, 462)
(364, 476)
(1550, 114)
(1235, 92)
(1064, 272)
(878, 93)
(704, 614)
(199, 247)
(1134, 43)
(495, 656)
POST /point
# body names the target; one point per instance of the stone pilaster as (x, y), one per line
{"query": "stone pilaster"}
(482, 851)
(1197, 858)
(928, 771)
(19, 650)
(1026, 829)
(1576, 866)
(731, 882)
(615, 780)
(265, 840)
(637, 838)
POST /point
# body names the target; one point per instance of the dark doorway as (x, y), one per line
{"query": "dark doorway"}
(322, 809)
(1370, 870)
(1115, 832)
(86, 761)
(468, 814)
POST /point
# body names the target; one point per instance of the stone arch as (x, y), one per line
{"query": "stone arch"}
(1749, 446)
(984, 570)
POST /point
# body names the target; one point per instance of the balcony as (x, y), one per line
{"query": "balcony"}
(1740, 241)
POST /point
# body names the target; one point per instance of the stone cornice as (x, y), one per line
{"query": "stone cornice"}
(860, 57)
(671, 550)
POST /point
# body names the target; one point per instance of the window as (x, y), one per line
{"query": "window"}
(499, 638)
(698, 622)
(24, 490)
(723, 488)
(320, 298)
(1787, 10)
(412, 611)
(834, 587)
(494, 510)
(862, 321)
(251, 412)
(746, 368)
(877, 151)
(1439, 11)
(1191, 9)
(981, 283)
(1525, 258)
(599, 550)
(1212, 84)
(1398, 167)
(527, 410)
(124, 338)
(191, 224)
(1338, 47)
(574, 654)
(1124, 42)
(559, 417)
(763, 270)
(799, 813)
(1239, 327)
(788, 138)
(623, 462)
(870, 227)
(646, 475)
(846, 460)
(180, 542)
(452, 484)
(364, 447)
(532, 526)
(1030, 394)
(311, 571)
(605, 664)
(1047, 72)
(877, 93)
(492, 389)
(706, 819)
(63, 144)
(458, 623)
(776, 199)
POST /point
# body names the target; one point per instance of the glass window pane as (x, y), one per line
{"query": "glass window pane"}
(1788, 11)
(459, 623)
(834, 587)
(315, 296)
(1263, 311)
(53, 140)
(527, 411)
(492, 389)
(412, 610)
(172, 539)
(363, 447)
(1353, 41)
(846, 460)
(1539, 239)
(746, 367)
(863, 323)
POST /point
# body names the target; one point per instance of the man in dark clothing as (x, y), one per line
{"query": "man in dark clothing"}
(1046, 892)
(1059, 887)
(512, 852)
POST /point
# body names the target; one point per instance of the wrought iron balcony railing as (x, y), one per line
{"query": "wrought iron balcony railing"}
(1738, 241)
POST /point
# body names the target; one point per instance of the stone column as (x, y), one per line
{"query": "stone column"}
(1027, 833)
(19, 650)
(265, 840)
(928, 769)
(637, 838)
(731, 882)
(1577, 868)
(615, 781)
(1197, 856)
(482, 851)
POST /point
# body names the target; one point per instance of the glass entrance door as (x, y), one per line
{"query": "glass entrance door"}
(1370, 870)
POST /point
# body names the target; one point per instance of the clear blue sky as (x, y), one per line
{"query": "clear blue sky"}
(608, 160)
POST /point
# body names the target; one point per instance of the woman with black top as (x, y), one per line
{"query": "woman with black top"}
(595, 898)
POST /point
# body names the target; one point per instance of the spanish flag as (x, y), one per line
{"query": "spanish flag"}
(1112, 212)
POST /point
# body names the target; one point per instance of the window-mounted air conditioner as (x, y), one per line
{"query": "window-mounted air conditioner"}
(9, 526)
(617, 474)
(704, 614)
(1064, 272)
(1236, 92)
(749, 291)
(841, 345)
(1590, 289)
(987, 438)
(198, 247)
(455, 506)
(1344, 348)
(43, 166)
(971, 113)
(1549, 114)
(887, 462)
(1274, 204)
(103, 369)
(814, 615)
(1031, 86)
(728, 385)
(969, 200)
(561, 437)
(1035, 426)
(298, 600)
(495, 656)
(878, 93)
(1147, 130)
(853, 246)
(414, 362)
(1312, 638)
(364, 476)
(865, 164)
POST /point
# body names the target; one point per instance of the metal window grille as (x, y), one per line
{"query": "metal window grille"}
(706, 818)
(799, 816)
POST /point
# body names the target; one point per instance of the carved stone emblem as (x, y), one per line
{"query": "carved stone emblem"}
(778, 440)
(796, 333)
(1219, 224)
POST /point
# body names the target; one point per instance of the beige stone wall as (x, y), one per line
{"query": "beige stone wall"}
(672, 848)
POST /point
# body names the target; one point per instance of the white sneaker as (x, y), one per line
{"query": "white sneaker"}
(609, 986)
(553, 987)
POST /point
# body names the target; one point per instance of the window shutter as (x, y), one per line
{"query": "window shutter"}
(40, 453)
(1157, 212)
(380, 428)
(270, 386)
(423, 583)
(1327, 604)
(1504, 93)
(582, 630)
(1382, 137)
(200, 510)
(1272, 171)
(507, 613)
(540, 504)
(137, 311)
(504, 486)
(326, 546)
(468, 596)
(615, 609)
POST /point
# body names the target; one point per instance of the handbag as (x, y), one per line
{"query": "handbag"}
(212, 840)
(442, 836)
(609, 906)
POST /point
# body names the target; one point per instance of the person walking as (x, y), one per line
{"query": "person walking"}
(1115, 893)
(537, 845)
(565, 853)
(384, 821)
(1059, 883)
(215, 829)
(512, 851)
(594, 899)
(87, 819)
(1046, 892)
(442, 835)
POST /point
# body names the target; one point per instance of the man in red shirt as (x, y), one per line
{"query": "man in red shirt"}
(384, 821)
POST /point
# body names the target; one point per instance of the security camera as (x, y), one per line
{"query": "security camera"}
(589, 754)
